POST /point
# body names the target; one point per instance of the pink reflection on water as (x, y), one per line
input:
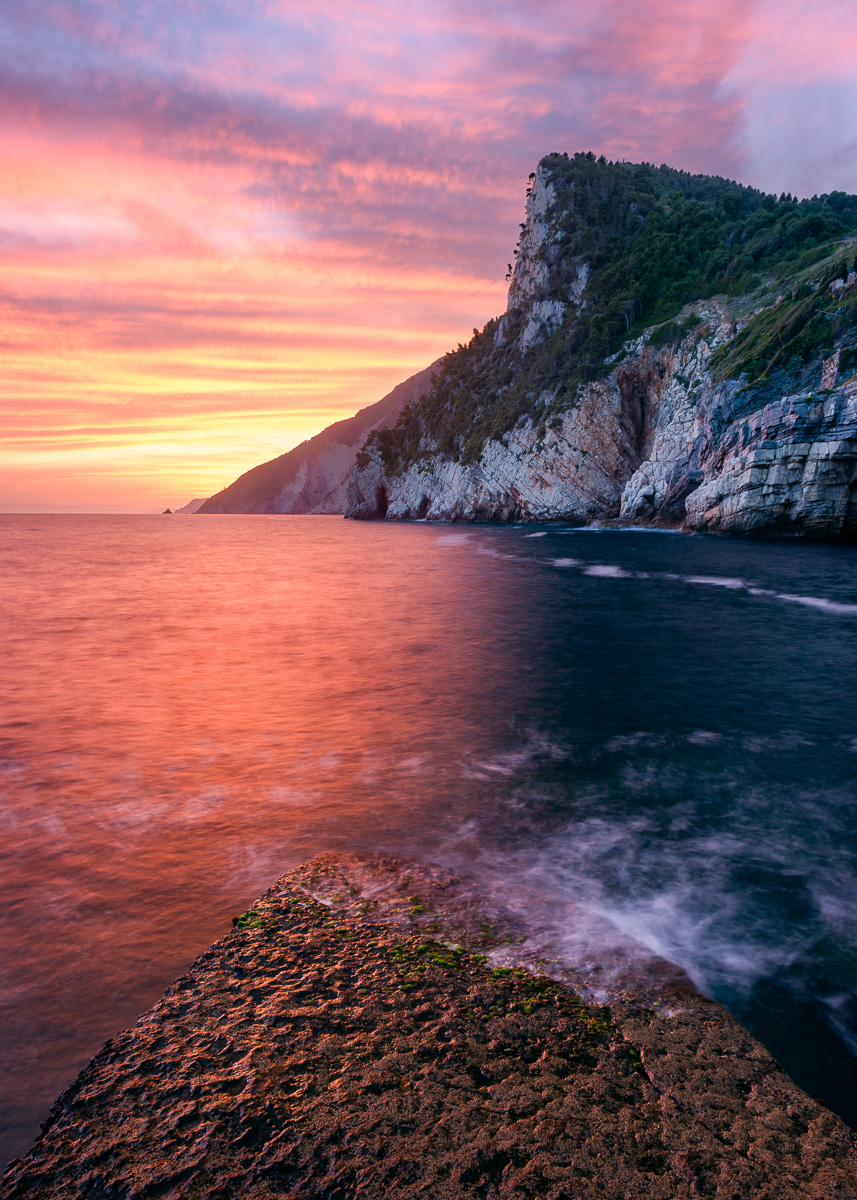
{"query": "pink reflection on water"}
(192, 706)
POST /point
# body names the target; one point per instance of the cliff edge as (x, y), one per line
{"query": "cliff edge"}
(312, 478)
(677, 350)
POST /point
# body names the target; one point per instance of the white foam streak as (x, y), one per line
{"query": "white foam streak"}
(607, 571)
(830, 606)
(716, 581)
(490, 552)
(703, 737)
(612, 571)
(607, 529)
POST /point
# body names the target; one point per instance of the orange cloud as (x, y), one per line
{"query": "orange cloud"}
(222, 227)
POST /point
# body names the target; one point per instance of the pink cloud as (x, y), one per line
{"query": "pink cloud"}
(263, 215)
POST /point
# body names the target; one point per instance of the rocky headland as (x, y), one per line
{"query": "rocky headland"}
(312, 478)
(373, 1028)
(676, 350)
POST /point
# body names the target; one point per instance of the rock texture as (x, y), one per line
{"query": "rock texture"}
(353, 1037)
(575, 472)
(790, 466)
(787, 466)
(312, 478)
(662, 438)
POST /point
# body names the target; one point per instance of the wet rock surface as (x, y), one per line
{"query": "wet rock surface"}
(365, 1030)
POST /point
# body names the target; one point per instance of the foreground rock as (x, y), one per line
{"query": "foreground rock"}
(353, 1036)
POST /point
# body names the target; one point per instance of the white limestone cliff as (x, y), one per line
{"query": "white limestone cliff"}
(660, 439)
(657, 441)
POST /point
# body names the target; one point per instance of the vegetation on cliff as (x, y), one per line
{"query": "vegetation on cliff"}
(776, 345)
(654, 239)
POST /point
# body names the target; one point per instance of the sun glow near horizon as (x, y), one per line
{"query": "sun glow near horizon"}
(222, 230)
(179, 384)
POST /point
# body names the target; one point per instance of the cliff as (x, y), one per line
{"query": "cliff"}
(312, 478)
(677, 350)
(370, 1029)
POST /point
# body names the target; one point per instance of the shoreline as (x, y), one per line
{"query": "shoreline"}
(369, 1028)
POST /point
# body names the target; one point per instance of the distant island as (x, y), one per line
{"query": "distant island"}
(677, 350)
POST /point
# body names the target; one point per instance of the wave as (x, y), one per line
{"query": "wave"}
(608, 571)
(831, 606)
(730, 583)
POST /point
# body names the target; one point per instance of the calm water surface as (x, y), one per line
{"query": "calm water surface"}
(662, 728)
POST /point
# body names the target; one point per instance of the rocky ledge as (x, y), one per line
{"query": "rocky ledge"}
(659, 441)
(736, 415)
(368, 1029)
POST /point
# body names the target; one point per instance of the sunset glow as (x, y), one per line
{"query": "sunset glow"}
(224, 225)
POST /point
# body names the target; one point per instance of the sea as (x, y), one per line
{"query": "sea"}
(655, 728)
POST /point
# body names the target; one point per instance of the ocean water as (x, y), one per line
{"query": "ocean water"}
(658, 728)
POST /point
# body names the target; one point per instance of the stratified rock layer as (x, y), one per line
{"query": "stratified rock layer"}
(663, 438)
(658, 441)
(349, 1038)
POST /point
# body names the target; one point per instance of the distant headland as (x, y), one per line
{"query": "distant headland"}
(677, 350)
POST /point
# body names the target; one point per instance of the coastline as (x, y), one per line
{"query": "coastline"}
(368, 1028)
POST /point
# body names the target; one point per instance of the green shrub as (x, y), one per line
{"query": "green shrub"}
(655, 239)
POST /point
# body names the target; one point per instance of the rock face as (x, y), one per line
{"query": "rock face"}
(791, 466)
(312, 477)
(787, 466)
(356, 1036)
(574, 472)
(666, 436)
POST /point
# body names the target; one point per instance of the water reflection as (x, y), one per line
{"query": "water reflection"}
(194, 707)
(659, 728)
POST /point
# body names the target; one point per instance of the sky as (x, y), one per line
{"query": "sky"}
(226, 223)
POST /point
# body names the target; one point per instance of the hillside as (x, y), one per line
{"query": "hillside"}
(312, 477)
(664, 332)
